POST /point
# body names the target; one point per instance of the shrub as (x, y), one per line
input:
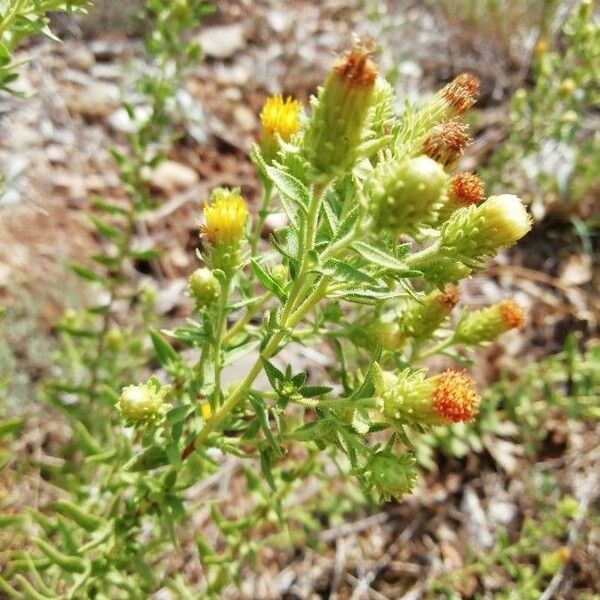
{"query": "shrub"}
(377, 235)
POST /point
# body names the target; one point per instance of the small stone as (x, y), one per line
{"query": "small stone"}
(95, 100)
(79, 57)
(120, 120)
(171, 176)
(222, 41)
(245, 118)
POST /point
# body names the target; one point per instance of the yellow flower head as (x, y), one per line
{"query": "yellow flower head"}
(280, 116)
(225, 217)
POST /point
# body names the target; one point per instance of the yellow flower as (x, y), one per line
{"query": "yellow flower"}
(280, 116)
(225, 217)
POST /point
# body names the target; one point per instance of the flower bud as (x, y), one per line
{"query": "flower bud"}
(279, 119)
(487, 324)
(383, 111)
(390, 475)
(411, 398)
(476, 232)
(279, 273)
(405, 195)
(340, 111)
(447, 142)
(421, 319)
(144, 403)
(204, 287)
(371, 334)
(223, 229)
(113, 339)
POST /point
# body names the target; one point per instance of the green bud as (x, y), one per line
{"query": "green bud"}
(390, 475)
(204, 287)
(421, 318)
(144, 403)
(279, 274)
(113, 339)
(405, 195)
(487, 324)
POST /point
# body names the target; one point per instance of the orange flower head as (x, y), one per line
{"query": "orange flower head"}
(512, 314)
(462, 92)
(466, 188)
(454, 397)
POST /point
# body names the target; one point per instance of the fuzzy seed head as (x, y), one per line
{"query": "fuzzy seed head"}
(447, 142)
(280, 116)
(462, 92)
(466, 188)
(512, 314)
(355, 67)
(454, 397)
(225, 217)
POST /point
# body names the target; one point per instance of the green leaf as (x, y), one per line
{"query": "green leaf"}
(310, 391)
(273, 373)
(9, 427)
(85, 273)
(266, 279)
(164, 352)
(289, 186)
(378, 257)
(104, 229)
(341, 270)
(262, 414)
(151, 458)
(231, 356)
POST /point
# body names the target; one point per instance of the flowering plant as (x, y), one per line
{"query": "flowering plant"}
(379, 230)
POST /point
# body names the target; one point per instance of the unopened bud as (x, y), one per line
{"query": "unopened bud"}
(476, 232)
(144, 403)
(340, 111)
(390, 475)
(487, 324)
(421, 319)
(204, 287)
(113, 339)
(405, 195)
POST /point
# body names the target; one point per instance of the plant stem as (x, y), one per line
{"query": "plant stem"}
(424, 257)
(250, 312)
(218, 334)
(436, 349)
(288, 319)
(262, 215)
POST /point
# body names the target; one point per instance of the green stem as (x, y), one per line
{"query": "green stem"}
(250, 312)
(218, 334)
(436, 349)
(263, 212)
(287, 320)
(424, 257)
